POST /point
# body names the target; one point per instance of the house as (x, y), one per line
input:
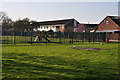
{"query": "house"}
(66, 25)
(111, 26)
(86, 27)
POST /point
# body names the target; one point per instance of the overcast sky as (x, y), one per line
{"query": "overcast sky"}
(92, 12)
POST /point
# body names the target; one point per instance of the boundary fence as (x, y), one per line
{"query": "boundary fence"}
(12, 37)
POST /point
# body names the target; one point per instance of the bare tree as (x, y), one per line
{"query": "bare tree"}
(5, 22)
(2, 16)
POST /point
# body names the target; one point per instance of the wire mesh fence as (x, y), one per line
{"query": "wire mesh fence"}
(12, 37)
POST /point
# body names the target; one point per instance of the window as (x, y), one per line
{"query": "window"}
(63, 27)
(57, 26)
(107, 22)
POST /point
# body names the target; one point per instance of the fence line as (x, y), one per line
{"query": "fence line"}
(12, 37)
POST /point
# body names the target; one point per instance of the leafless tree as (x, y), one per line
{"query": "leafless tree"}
(3, 15)
(5, 21)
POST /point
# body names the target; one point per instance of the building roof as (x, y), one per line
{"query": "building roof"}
(55, 22)
(116, 19)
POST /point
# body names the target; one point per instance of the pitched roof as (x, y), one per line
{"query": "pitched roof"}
(65, 21)
(116, 19)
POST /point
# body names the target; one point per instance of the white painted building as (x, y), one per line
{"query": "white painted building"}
(55, 28)
(66, 25)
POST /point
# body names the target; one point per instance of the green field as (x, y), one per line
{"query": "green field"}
(60, 61)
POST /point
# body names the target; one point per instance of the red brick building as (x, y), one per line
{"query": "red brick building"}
(110, 25)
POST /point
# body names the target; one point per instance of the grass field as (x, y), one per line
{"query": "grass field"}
(60, 61)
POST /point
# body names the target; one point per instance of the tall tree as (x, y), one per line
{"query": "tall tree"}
(5, 21)
(2, 15)
(17, 25)
(22, 25)
(26, 24)
(7, 24)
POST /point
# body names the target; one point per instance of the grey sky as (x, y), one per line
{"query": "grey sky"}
(92, 12)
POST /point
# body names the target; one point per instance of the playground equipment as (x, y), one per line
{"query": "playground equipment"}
(39, 37)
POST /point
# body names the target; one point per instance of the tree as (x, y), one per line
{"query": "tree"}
(22, 25)
(7, 24)
(17, 25)
(2, 15)
(5, 21)
(26, 24)
(34, 24)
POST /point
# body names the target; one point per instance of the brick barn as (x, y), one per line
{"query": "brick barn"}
(111, 26)
(66, 25)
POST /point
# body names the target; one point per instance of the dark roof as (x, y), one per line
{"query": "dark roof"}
(91, 25)
(65, 21)
(116, 19)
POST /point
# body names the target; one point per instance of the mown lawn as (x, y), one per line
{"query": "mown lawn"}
(60, 61)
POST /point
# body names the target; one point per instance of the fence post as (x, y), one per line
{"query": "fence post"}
(93, 36)
(14, 40)
(72, 36)
(7, 37)
(60, 34)
(104, 37)
(31, 37)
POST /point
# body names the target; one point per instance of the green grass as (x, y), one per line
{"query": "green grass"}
(60, 61)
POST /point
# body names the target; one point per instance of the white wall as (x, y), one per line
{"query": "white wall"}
(49, 27)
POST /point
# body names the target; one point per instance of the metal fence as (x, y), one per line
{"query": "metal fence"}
(12, 37)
